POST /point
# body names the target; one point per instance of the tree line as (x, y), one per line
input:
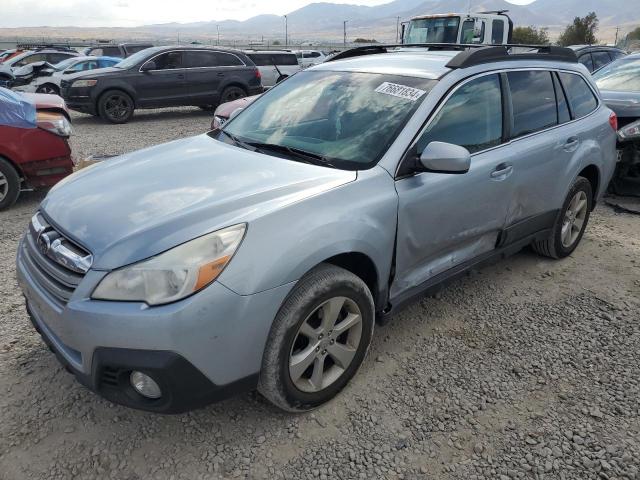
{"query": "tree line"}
(581, 32)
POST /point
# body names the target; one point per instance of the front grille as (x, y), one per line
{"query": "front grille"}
(54, 262)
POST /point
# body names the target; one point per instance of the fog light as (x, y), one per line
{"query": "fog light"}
(145, 385)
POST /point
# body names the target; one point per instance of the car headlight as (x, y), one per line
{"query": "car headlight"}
(174, 274)
(54, 122)
(83, 83)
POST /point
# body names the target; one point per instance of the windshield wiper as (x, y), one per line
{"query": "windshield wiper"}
(307, 157)
(239, 143)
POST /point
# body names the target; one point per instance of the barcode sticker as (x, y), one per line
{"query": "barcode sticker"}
(401, 91)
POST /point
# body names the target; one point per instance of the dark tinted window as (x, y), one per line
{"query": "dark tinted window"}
(109, 52)
(600, 59)
(471, 117)
(563, 106)
(135, 48)
(616, 54)
(581, 98)
(497, 31)
(56, 57)
(228, 60)
(199, 59)
(267, 59)
(534, 101)
(168, 61)
(585, 59)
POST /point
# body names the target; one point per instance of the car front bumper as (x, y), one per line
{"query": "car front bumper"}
(202, 349)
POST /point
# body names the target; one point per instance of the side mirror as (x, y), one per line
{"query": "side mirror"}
(147, 67)
(235, 113)
(440, 157)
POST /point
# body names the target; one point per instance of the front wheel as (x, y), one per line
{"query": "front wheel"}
(48, 89)
(9, 184)
(571, 222)
(116, 106)
(318, 339)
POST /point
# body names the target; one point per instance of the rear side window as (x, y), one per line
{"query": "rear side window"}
(497, 31)
(260, 60)
(227, 60)
(471, 117)
(200, 59)
(286, 59)
(581, 98)
(534, 101)
(57, 57)
(600, 59)
(110, 52)
(586, 61)
(130, 49)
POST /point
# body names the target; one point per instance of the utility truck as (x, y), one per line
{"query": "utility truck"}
(493, 28)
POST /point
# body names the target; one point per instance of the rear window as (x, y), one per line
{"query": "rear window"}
(268, 59)
(623, 75)
(581, 98)
(600, 59)
(586, 61)
(534, 101)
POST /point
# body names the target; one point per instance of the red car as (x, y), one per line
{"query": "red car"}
(34, 147)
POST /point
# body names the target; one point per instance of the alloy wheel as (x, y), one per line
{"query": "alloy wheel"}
(4, 186)
(574, 219)
(117, 107)
(325, 344)
(232, 94)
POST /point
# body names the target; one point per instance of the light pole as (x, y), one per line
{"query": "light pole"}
(398, 30)
(344, 28)
(286, 31)
(218, 28)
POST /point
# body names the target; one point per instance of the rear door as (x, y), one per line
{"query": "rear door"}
(445, 220)
(538, 148)
(165, 85)
(204, 76)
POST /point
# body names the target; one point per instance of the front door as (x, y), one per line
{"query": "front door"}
(165, 85)
(445, 220)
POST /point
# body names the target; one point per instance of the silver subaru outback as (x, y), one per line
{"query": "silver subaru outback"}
(262, 254)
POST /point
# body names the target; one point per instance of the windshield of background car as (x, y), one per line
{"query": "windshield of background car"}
(136, 58)
(433, 30)
(623, 75)
(65, 63)
(350, 119)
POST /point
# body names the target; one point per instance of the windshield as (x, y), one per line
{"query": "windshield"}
(136, 58)
(623, 75)
(344, 119)
(65, 63)
(433, 30)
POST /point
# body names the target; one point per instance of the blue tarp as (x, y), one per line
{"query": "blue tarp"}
(16, 110)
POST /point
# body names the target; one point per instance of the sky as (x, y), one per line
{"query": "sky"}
(130, 13)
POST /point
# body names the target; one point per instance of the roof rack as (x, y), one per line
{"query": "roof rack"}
(501, 53)
(42, 46)
(472, 54)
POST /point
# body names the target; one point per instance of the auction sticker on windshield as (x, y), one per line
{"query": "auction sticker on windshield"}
(401, 91)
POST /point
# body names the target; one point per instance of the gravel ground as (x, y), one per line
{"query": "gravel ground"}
(526, 369)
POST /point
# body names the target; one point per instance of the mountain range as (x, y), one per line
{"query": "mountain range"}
(324, 21)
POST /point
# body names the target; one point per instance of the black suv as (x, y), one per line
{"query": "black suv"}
(163, 77)
(595, 57)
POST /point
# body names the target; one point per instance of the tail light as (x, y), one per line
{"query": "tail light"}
(258, 74)
(613, 121)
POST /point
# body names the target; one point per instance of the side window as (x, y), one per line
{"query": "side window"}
(200, 59)
(471, 117)
(168, 61)
(600, 59)
(111, 52)
(260, 60)
(616, 54)
(227, 60)
(563, 106)
(586, 60)
(95, 51)
(314, 54)
(56, 57)
(581, 97)
(497, 31)
(131, 49)
(285, 59)
(467, 31)
(533, 100)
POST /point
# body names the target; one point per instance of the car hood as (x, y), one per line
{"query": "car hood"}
(95, 73)
(625, 104)
(138, 205)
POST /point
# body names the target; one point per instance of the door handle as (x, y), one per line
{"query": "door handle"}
(221, 74)
(181, 76)
(571, 144)
(502, 171)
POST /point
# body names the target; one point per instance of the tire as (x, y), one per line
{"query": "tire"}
(116, 106)
(326, 288)
(48, 88)
(9, 184)
(570, 224)
(232, 93)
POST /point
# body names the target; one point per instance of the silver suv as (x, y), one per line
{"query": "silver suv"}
(262, 254)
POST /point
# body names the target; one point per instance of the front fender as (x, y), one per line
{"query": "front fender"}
(282, 246)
